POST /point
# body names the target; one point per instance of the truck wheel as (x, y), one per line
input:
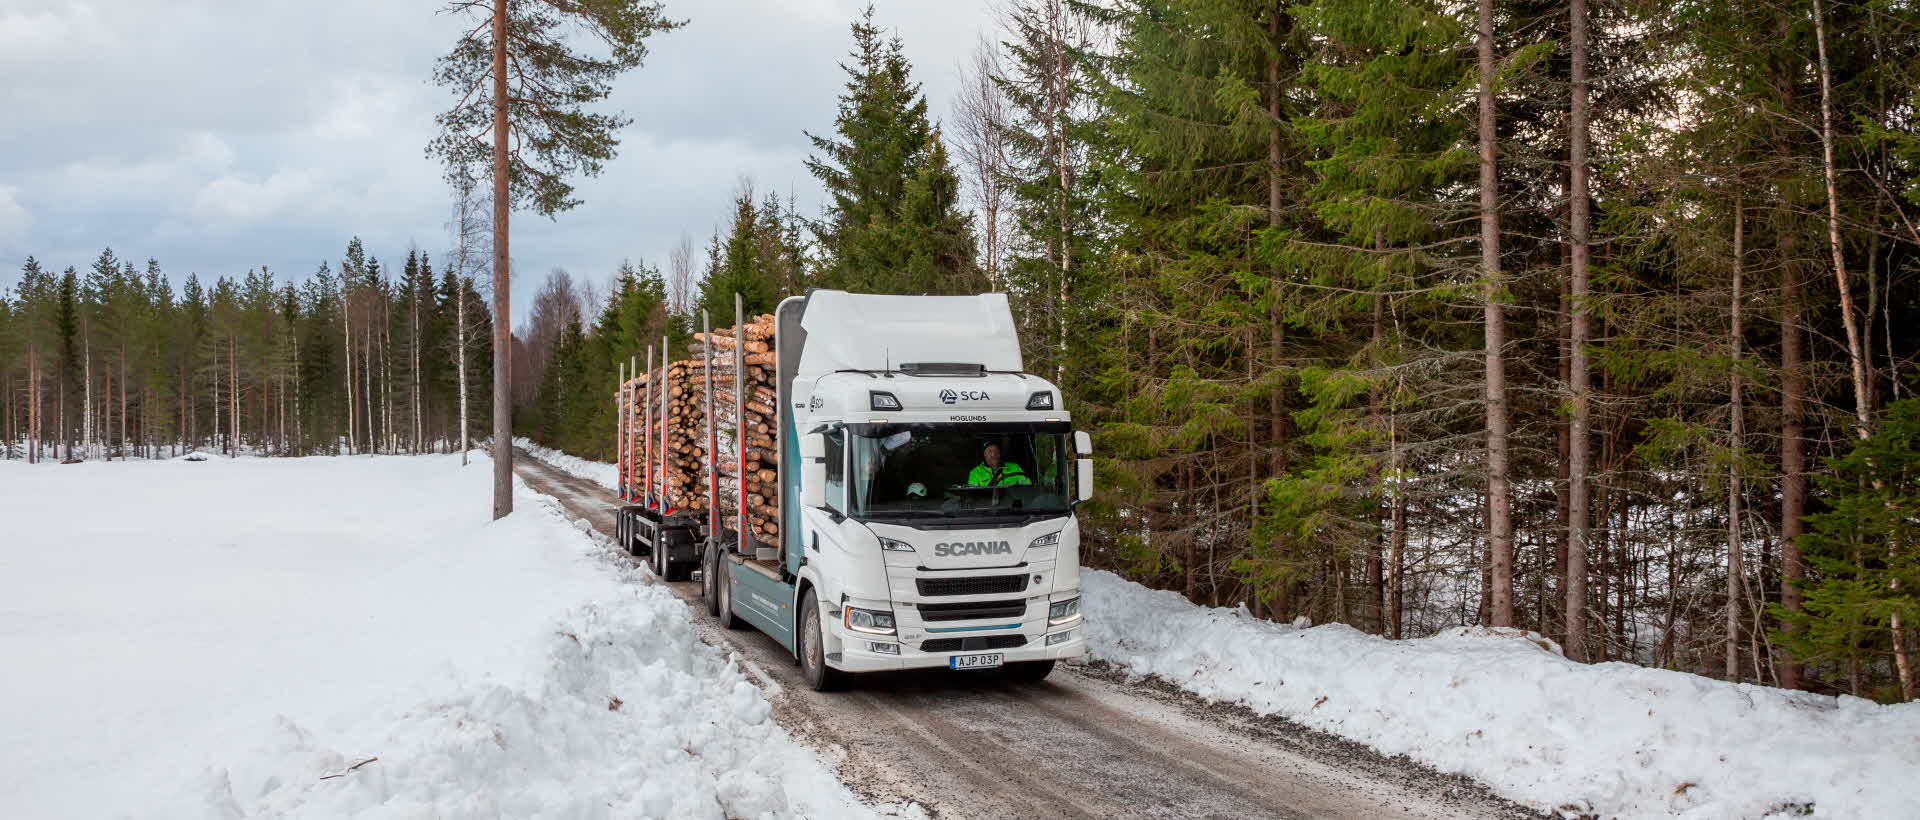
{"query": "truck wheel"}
(725, 580)
(709, 578)
(620, 532)
(657, 557)
(1029, 671)
(813, 649)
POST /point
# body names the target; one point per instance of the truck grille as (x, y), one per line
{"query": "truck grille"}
(983, 585)
(973, 611)
(978, 642)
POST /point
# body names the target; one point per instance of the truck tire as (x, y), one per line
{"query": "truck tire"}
(724, 578)
(1028, 671)
(813, 649)
(710, 577)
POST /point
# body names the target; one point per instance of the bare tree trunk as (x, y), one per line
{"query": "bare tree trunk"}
(982, 115)
(346, 334)
(1276, 420)
(123, 404)
(1499, 506)
(1376, 572)
(502, 341)
(105, 430)
(299, 426)
(1057, 127)
(413, 322)
(1579, 521)
(1397, 549)
(460, 321)
(366, 378)
(394, 430)
(233, 395)
(33, 406)
(86, 396)
(1856, 353)
(1736, 433)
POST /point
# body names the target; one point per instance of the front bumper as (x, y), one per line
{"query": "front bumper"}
(857, 653)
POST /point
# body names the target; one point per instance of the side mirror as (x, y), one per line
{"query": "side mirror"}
(1082, 443)
(813, 470)
(1084, 471)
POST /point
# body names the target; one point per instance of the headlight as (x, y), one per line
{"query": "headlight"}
(883, 401)
(1042, 400)
(891, 545)
(1048, 540)
(870, 621)
(1063, 612)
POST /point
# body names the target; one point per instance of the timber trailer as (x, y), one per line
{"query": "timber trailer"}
(889, 490)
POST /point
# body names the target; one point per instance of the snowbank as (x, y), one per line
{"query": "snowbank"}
(598, 472)
(229, 638)
(1506, 708)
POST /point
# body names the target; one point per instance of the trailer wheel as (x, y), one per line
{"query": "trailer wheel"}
(709, 577)
(813, 649)
(725, 579)
(1029, 671)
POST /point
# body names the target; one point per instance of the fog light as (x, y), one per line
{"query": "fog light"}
(1058, 637)
(884, 648)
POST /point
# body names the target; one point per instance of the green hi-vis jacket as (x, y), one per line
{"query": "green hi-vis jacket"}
(1009, 475)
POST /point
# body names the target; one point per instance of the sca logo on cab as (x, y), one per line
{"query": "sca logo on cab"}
(950, 396)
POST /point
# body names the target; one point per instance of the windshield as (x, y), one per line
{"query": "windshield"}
(925, 470)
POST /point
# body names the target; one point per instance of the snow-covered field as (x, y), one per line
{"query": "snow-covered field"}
(1610, 739)
(231, 637)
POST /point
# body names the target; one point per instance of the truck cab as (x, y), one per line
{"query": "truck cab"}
(931, 519)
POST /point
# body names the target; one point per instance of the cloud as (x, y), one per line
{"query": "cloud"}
(218, 136)
(14, 222)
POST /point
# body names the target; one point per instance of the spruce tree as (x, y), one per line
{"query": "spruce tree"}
(737, 267)
(893, 224)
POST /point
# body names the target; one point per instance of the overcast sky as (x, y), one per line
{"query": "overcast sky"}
(222, 135)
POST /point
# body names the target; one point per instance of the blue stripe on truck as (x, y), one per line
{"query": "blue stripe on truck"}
(972, 628)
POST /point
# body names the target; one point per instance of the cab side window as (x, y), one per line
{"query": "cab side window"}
(836, 452)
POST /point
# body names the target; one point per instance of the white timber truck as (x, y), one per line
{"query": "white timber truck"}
(926, 499)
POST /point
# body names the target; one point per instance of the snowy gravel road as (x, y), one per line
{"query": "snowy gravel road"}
(1084, 743)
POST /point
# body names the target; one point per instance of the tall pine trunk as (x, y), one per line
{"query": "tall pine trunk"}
(1579, 521)
(1736, 435)
(502, 342)
(1499, 506)
(1793, 459)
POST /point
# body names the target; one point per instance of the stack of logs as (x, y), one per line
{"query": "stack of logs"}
(687, 383)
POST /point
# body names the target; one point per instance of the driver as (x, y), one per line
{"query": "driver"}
(994, 472)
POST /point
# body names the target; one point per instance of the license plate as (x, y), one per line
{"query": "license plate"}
(987, 661)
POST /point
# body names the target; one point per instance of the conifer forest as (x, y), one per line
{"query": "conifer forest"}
(1590, 318)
